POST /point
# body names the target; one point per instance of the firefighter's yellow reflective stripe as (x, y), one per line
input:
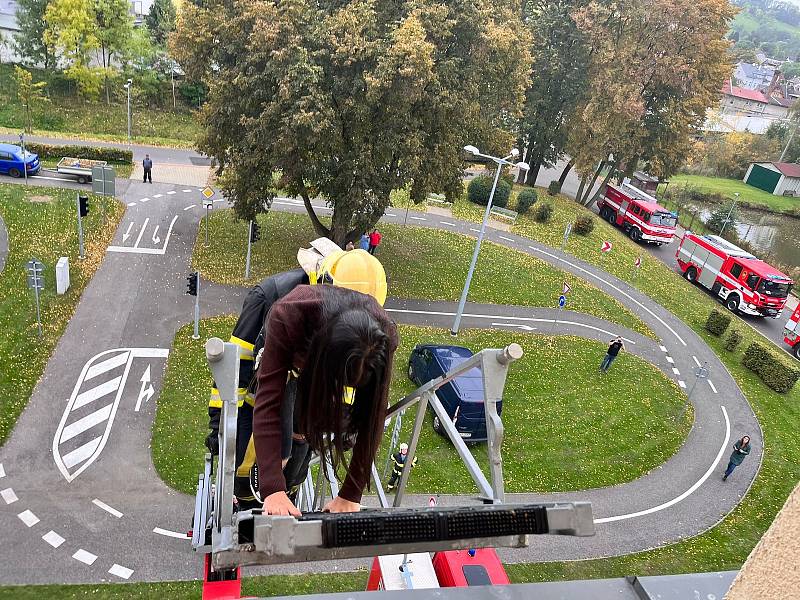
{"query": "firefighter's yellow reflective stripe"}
(249, 398)
(249, 459)
(349, 395)
(246, 348)
(242, 396)
(215, 401)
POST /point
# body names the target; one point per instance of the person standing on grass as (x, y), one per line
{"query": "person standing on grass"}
(147, 166)
(740, 450)
(613, 351)
(374, 240)
(364, 241)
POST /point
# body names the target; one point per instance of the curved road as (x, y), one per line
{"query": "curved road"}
(80, 500)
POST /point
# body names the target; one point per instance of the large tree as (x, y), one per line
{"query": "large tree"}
(656, 66)
(114, 27)
(161, 20)
(558, 81)
(30, 40)
(350, 100)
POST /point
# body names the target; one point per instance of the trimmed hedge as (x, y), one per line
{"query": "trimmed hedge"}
(554, 187)
(717, 322)
(584, 224)
(91, 152)
(479, 189)
(733, 341)
(525, 199)
(543, 212)
(770, 367)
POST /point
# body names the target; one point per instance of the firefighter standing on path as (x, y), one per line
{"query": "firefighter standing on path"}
(399, 461)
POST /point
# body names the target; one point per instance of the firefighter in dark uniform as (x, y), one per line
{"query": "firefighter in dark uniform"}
(325, 262)
(399, 461)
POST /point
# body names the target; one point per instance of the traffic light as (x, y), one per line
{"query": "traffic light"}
(83, 203)
(191, 283)
(255, 233)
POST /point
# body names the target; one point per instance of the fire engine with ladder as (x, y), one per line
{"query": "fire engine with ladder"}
(398, 539)
(743, 282)
(638, 213)
(791, 333)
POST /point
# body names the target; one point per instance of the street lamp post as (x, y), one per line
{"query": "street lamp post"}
(128, 88)
(730, 212)
(501, 162)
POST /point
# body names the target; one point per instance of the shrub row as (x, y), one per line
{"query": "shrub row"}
(733, 341)
(769, 366)
(90, 152)
(717, 322)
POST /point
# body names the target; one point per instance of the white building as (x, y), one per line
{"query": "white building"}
(8, 27)
(745, 109)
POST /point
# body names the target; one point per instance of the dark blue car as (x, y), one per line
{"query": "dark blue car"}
(12, 163)
(462, 398)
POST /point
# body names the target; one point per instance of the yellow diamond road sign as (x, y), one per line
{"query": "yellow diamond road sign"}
(207, 193)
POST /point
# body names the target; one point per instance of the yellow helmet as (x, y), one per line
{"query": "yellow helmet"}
(355, 270)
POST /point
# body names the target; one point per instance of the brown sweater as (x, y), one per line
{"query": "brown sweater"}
(290, 325)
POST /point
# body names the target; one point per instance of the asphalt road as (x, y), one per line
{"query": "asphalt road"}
(82, 501)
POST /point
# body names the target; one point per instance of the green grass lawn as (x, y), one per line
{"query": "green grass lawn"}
(46, 230)
(420, 263)
(727, 187)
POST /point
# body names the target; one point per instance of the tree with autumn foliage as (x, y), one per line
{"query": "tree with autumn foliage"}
(347, 101)
(655, 67)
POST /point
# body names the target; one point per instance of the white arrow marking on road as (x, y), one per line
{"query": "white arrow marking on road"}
(145, 394)
(141, 233)
(156, 239)
(523, 327)
(135, 250)
(127, 233)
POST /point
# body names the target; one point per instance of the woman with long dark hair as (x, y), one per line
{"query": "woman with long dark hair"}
(340, 345)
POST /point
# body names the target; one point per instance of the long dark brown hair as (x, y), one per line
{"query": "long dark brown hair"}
(350, 349)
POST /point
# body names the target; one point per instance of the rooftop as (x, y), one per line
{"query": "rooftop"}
(744, 93)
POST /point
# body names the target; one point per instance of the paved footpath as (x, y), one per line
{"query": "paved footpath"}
(81, 501)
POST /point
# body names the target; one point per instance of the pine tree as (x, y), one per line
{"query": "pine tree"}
(161, 20)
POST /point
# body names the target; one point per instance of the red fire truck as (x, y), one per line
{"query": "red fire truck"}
(638, 213)
(742, 281)
(791, 333)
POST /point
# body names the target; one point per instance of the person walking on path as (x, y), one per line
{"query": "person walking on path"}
(740, 450)
(147, 166)
(613, 351)
(374, 240)
(364, 241)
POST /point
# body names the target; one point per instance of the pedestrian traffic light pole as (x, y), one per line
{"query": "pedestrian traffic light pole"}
(82, 206)
(193, 289)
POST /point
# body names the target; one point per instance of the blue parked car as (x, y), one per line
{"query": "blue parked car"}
(462, 398)
(12, 163)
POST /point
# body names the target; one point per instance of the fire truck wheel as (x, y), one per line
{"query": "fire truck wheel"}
(732, 303)
(797, 351)
(635, 234)
(604, 213)
(612, 217)
(691, 274)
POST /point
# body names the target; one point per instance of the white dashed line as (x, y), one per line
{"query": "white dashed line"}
(120, 571)
(190, 207)
(447, 223)
(697, 362)
(9, 496)
(158, 195)
(107, 508)
(131, 203)
(187, 191)
(712, 386)
(475, 230)
(52, 538)
(389, 214)
(2, 471)
(418, 218)
(502, 237)
(674, 370)
(168, 533)
(663, 349)
(85, 557)
(28, 518)
(168, 194)
(682, 384)
(143, 200)
(670, 360)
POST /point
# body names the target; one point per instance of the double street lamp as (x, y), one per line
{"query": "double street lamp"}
(501, 162)
(128, 89)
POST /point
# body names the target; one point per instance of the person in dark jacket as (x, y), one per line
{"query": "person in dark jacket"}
(399, 460)
(147, 167)
(740, 450)
(613, 351)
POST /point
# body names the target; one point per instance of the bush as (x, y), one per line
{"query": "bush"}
(525, 199)
(717, 322)
(479, 189)
(769, 366)
(584, 224)
(733, 341)
(554, 187)
(90, 152)
(543, 212)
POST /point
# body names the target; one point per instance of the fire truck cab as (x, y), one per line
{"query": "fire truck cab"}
(738, 278)
(639, 214)
(791, 333)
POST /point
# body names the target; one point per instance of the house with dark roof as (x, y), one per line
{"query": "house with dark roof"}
(754, 77)
(780, 179)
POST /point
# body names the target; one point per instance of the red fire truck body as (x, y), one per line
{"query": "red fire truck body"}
(638, 213)
(791, 333)
(742, 281)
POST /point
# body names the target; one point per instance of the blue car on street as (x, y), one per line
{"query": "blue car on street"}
(462, 398)
(12, 161)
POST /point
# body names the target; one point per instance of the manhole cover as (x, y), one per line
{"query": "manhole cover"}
(200, 161)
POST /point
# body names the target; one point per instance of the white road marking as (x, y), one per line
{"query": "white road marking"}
(131, 203)
(447, 223)
(107, 508)
(155, 237)
(141, 233)
(158, 195)
(50, 178)
(187, 191)
(81, 453)
(190, 207)
(143, 200)
(697, 362)
(85, 557)
(108, 364)
(663, 349)
(2, 471)
(674, 370)
(682, 384)
(523, 327)
(52, 538)
(688, 492)
(136, 250)
(418, 218)
(710, 383)
(27, 517)
(171, 192)
(127, 233)
(120, 571)
(508, 239)
(8, 495)
(506, 317)
(670, 360)
(97, 392)
(389, 214)
(87, 422)
(612, 286)
(475, 230)
(168, 533)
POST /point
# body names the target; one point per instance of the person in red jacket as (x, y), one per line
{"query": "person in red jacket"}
(374, 240)
(341, 343)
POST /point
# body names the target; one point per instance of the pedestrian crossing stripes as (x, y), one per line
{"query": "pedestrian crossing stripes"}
(27, 517)
(52, 538)
(85, 557)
